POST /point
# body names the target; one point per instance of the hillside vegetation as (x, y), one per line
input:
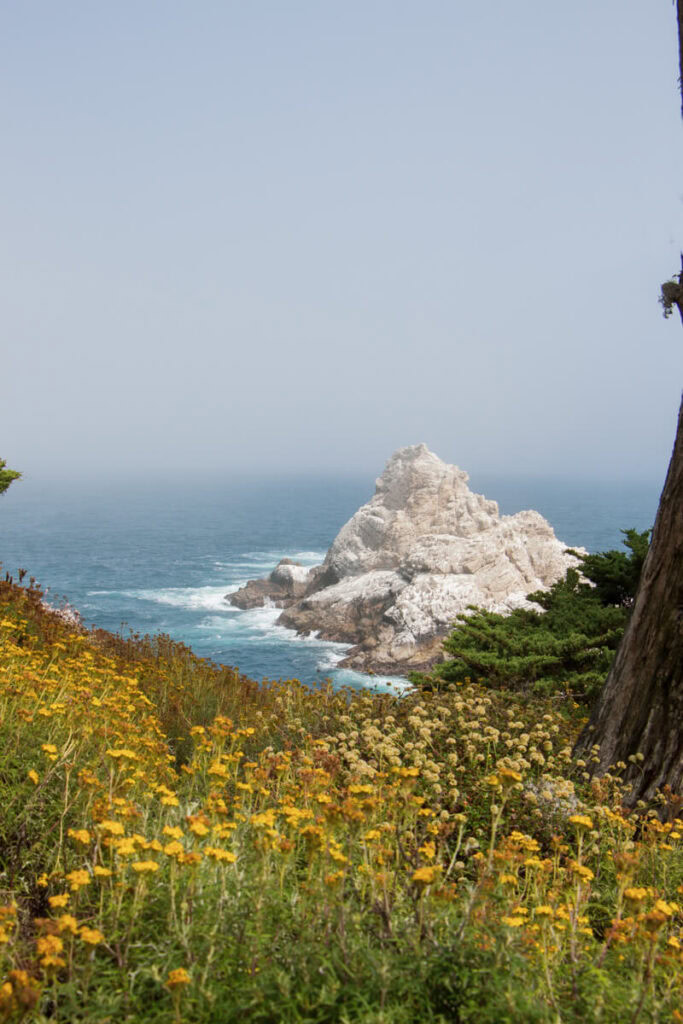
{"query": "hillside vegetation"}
(180, 843)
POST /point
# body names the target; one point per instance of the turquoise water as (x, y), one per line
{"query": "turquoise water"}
(160, 557)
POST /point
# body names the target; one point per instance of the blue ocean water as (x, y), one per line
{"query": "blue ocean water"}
(161, 556)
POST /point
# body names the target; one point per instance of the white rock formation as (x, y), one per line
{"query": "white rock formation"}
(422, 550)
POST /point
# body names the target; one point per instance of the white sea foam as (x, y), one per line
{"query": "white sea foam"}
(265, 558)
(308, 557)
(333, 654)
(256, 566)
(381, 684)
(191, 598)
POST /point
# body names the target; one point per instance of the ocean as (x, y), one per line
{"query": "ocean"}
(161, 557)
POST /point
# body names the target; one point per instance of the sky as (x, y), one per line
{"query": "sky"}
(290, 237)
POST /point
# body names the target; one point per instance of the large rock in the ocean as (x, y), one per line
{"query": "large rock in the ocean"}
(422, 550)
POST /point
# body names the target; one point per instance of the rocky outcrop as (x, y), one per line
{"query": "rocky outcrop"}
(287, 582)
(422, 550)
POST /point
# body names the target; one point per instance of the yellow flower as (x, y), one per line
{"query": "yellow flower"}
(142, 866)
(59, 901)
(513, 922)
(217, 854)
(581, 870)
(372, 834)
(48, 945)
(189, 858)
(125, 847)
(114, 828)
(223, 831)
(173, 848)
(67, 923)
(492, 780)
(81, 835)
(49, 748)
(635, 894)
(177, 978)
(173, 831)
(543, 911)
(33, 776)
(199, 828)
(581, 821)
(426, 875)
(101, 872)
(91, 935)
(266, 818)
(76, 879)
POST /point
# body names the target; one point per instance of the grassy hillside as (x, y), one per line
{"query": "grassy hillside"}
(180, 843)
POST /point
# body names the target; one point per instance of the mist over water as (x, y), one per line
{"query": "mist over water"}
(161, 558)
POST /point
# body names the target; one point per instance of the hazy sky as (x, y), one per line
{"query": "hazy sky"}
(292, 235)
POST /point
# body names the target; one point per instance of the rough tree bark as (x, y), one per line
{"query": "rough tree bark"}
(640, 708)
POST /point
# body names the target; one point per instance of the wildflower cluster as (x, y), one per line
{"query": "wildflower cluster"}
(311, 851)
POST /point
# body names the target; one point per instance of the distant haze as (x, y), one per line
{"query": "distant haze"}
(286, 237)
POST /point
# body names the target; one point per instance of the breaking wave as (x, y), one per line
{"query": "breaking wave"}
(190, 598)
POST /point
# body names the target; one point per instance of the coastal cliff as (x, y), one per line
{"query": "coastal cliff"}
(423, 549)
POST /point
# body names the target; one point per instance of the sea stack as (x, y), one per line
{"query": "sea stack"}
(423, 549)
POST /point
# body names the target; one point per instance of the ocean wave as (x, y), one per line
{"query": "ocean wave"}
(265, 559)
(190, 598)
(260, 626)
(381, 684)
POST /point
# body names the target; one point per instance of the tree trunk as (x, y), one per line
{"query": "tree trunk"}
(640, 709)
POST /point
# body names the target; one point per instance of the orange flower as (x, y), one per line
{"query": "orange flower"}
(178, 978)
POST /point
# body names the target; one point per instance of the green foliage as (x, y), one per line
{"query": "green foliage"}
(671, 295)
(7, 476)
(614, 573)
(568, 646)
